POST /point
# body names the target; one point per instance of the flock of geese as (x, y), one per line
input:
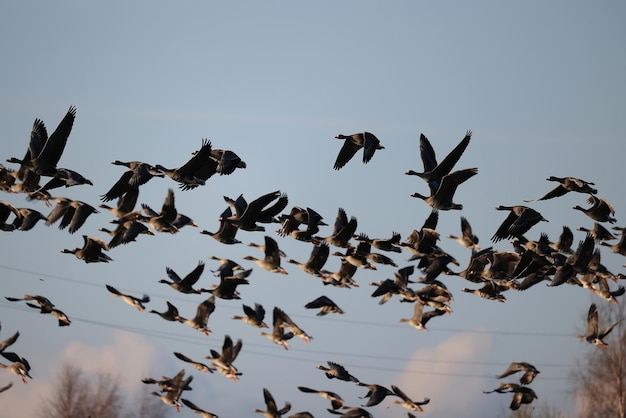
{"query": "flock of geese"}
(490, 273)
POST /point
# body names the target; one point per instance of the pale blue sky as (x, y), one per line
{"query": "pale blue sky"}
(540, 85)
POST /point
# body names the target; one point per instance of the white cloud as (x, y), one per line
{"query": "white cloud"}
(128, 358)
(452, 369)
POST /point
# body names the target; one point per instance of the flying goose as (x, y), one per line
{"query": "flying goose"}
(336, 401)
(223, 361)
(19, 365)
(298, 216)
(272, 410)
(271, 261)
(620, 247)
(343, 230)
(601, 210)
(125, 232)
(325, 305)
(171, 314)
(131, 300)
(73, 213)
(163, 220)
(467, 238)
(4, 344)
(434, 172)
(420, 318)
(199, 168)
(203, 311)
(45, 152)
(254, 316)
(227, 230)
(91, 251)
(63, 177)
(201, 367)
(407, 402)
(138, 173)
(442, 196)
(566, 185)
(172, 395)
(317, 259)
(27, 218)
(353, 143)
(529, 371)
(598, 232)
(337, 371)
(197, 410)
(519, 221)
(375, 393)
(184, 285)
(278, 335)
(594, 335)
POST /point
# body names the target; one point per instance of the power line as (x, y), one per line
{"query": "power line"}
(201, 341)
(339, 320)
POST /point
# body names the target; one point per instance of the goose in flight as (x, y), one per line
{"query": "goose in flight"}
(353, 143)
(134, 301)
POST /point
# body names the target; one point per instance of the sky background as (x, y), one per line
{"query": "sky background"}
(541, 85)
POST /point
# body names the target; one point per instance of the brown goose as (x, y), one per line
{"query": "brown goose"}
(19, 365)
(171, 314)
(45, 152)
(594, 335)
(598, 232)
(131, 300)
(420, 318)
(91, 251)
(254, 316)
(522, 395)
(601, 210)
(125, 232)
(201, 367)
(490, 291)
(467, 238)
(6, 210)
(336, 401)
(271, 261)
(63, 177)
(184, 285)
(337, 371)
(529, 371)
(434, 172)
(125, 203)
(227, 286)
(203, 311)
(566, 185)
(441, 198)
(298, 216)
(138, 173)
(351, 412)
(343, 230)
(197, 410)
(44, 306)
(223, 361)
(73, 213)
(227, 230)
(278, 335)
(325, 305)
(407, 402)
(4, 344)
(199, 168)
(317, 259)
(226, 163)
(383, 244)
(272, 410)
(620, 247)
(176, 387)
(247, 214)
(353, 143)
(375, 393)
(163, 220)
(519, 221)
(27, 219)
